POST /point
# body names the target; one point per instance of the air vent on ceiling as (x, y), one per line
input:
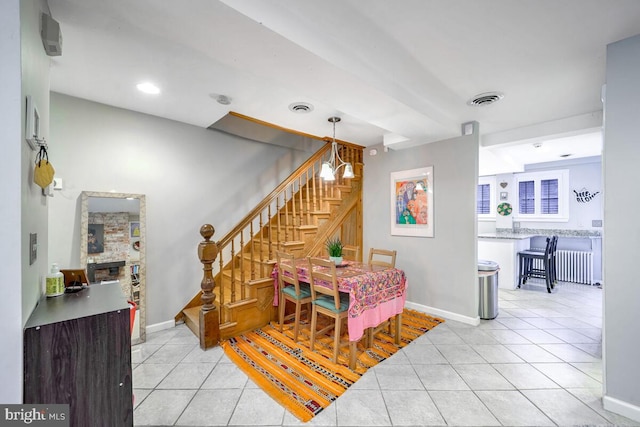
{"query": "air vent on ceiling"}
(301, 107)
(485, 99)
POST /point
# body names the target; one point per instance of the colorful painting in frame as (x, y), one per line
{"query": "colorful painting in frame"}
(412, 202)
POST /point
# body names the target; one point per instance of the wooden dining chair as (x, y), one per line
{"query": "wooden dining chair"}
(382, 257)
(291, 290)
(351, 252)
(330, 302)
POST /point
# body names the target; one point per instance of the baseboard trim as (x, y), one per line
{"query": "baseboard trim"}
(473, 321)
(156, 327)
(621, 408)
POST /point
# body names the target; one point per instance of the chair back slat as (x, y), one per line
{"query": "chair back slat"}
(325, 271)
(388, 257)
(286, 264)
(351, 252)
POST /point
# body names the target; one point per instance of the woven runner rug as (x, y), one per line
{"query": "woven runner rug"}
(304, 381)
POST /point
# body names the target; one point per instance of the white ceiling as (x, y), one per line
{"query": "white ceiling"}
(393, 71)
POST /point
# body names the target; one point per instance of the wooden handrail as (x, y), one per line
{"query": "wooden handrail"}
(298, 213)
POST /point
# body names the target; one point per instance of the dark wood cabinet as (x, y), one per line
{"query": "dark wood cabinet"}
(77, 350)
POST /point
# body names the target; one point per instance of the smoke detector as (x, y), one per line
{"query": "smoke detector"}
(220, 99)
(486, 98)
(301, 107)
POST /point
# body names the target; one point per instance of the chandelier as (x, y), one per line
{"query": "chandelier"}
(329, 168)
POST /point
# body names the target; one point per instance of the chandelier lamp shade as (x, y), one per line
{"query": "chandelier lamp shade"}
(330, 168)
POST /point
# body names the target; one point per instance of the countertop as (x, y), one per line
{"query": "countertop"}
(505, 236)
(527, 233)
(95, 299)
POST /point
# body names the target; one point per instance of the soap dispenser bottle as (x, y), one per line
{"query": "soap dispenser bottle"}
(55, 282)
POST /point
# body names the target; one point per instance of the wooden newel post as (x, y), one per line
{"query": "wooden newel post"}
(209, 316)
(207, 252)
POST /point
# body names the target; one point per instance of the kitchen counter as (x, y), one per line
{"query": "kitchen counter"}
(505, 235)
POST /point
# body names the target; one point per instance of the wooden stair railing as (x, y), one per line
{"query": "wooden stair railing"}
(289, 218)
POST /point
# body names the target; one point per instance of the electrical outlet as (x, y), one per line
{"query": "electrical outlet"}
(596, 223)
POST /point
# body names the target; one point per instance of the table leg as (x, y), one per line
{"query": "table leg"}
(398, 328)
(352, 354)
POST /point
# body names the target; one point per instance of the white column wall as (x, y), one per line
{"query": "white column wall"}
(621, 343)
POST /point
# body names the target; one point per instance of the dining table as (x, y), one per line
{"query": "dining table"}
(376, 293)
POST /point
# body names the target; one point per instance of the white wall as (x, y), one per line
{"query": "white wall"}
(10, 208)
(35, 82)
(190, 176)
(621, 344)
(442, 271)
(583, 173)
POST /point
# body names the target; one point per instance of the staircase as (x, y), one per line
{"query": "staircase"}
(298, 216)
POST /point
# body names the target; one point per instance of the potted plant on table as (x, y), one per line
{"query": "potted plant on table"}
(334, 248)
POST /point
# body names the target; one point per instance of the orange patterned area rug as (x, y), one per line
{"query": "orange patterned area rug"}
(304, 381)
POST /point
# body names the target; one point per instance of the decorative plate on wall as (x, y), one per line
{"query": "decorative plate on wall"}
(505, 209)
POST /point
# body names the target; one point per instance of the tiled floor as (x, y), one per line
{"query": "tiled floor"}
(538, 363)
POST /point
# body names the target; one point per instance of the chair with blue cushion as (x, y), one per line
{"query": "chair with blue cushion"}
(291, 290)
(328, 301)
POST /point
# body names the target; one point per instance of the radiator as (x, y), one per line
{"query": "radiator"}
(575, 266)
(572, 266)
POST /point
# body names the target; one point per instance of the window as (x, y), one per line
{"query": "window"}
(543, 196)
(526, 197)
(549, 196)
(486, 198)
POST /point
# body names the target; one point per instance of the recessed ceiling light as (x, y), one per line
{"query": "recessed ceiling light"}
(149, 88)
(486, 98)
(301, 107)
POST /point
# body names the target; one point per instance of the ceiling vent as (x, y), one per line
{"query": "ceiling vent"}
(301, 107)
(485, 99)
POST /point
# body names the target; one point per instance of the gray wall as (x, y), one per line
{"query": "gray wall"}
(10, 208)
(442, 271)
(621, 344)
(190, 176)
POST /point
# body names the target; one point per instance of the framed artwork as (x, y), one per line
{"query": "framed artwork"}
(412, 202)
(134, 229)
(95, 239)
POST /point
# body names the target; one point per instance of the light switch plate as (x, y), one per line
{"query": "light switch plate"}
(33, 247)
(596, 223)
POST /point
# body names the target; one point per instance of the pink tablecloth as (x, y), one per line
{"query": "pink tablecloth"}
(375, 293)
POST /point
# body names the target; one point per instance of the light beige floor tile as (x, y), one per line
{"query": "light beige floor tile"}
(497, 354)
(463, 408)
(482, 376)
(397, 377)
(511, 408)
(566, 375)
(563, 408)
(412, 408)
(362, 408)
(524, 376)
(255, 407)
(162, 407)
(440, 377)
(210, 408)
